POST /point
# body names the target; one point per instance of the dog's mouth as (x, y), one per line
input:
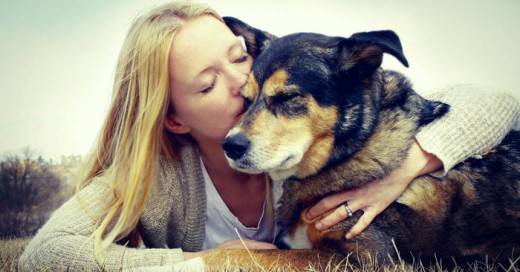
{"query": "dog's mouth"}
(266, 152)
(239, 114)
(284, 163)
(247, 166)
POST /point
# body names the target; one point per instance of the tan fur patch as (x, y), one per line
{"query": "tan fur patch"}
(427, 197)
(250, 90)
(275, 82)
(278, 129)
(432, 198)
(322, 121)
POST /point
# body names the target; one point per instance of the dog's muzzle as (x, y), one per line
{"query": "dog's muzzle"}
(236, 146)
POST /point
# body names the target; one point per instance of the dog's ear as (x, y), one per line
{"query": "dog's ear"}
(362, 53)
(256, 39)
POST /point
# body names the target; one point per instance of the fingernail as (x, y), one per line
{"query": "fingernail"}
(348, 236)
(318, 226)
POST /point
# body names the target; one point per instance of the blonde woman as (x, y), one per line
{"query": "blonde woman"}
(157, 189)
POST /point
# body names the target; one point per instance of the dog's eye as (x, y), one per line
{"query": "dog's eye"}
(282, 98)
(290, 104)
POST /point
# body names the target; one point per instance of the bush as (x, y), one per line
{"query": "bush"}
(29, 191)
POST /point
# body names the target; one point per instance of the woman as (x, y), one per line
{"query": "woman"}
(158, 177)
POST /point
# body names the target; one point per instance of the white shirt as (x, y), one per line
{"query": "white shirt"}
(221, 223)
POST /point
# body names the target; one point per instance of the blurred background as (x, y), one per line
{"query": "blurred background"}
(57, 57)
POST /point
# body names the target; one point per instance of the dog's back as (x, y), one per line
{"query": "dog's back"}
(471, 212)
(481, 202)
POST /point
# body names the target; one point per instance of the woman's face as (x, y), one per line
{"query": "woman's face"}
(208, 67)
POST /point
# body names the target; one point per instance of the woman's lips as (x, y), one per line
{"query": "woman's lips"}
(241, 112)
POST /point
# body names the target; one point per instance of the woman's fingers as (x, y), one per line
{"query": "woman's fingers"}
(260, 245)
(339, 214)
(328, 203)
(250, 244)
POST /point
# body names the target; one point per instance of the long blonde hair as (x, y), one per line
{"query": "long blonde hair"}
(133, 136)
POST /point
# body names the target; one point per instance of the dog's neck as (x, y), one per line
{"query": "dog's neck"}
(385, 146)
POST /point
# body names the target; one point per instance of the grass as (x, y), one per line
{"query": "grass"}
(421, 267)
(11, 249)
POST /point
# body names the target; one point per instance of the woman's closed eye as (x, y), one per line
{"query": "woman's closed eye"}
(238, 54)
(243, 58)
(210, 87)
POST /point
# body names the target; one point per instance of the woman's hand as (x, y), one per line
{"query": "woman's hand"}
(249, 244)
(231, 244)
(375, 196)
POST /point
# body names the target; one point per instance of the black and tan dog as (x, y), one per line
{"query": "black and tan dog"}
(324, 117)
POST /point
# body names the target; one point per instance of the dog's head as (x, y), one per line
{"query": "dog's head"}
(304, 92)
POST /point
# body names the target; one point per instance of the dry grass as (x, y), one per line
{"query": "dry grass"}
(10, 250)
(371, 266)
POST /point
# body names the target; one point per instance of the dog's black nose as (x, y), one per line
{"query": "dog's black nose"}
(236, 146)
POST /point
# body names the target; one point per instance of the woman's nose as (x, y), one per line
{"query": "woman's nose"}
(237, 79)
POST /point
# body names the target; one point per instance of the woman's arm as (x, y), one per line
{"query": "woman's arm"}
(478, 120)
(65, 242)
(374, 197)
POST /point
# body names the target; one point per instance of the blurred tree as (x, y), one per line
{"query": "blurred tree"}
(28, 193)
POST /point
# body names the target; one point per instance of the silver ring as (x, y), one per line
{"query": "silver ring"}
(347, 209)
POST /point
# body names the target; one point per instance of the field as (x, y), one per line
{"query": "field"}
(10, 250)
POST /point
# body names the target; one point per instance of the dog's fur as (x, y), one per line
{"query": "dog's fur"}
(324, 117)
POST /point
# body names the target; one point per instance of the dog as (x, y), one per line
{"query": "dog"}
(323, 117)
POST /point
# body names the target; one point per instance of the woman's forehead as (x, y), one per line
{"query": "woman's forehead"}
(197, 46)
(197, 31)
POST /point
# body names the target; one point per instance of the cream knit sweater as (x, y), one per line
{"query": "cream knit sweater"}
(479, 118)
(174, 216)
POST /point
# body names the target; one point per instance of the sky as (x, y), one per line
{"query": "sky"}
(57, 57)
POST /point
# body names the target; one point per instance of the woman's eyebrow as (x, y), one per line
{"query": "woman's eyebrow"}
(197, 79)
(238, 44)
(232, 48)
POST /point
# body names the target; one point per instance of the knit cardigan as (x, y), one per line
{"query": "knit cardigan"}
(174, 217)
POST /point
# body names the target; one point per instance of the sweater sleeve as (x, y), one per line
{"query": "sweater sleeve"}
(65, 242)
(478, 119)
